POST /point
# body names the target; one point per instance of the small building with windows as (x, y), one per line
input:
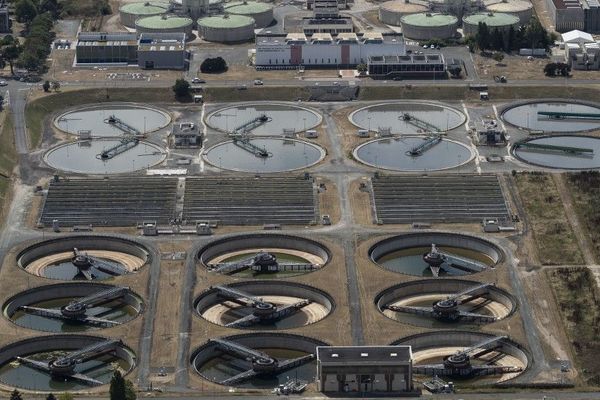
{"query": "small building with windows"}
(377, 370)
(409, 66)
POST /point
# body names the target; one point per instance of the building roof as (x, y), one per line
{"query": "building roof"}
(577, 36)
(162, 42)
(429, 20)
(142, 8)
(408, 59)
(491, 19)
(227, 21)
(364, 355)
(163, 22)
(247, 7)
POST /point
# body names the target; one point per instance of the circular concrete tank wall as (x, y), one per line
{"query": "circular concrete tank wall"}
(523, 9)
(426, 26)
(432, 347)
(165, 24)
(391, 12)
(287, 249)
(226, 28)
(26, 308)
(213, 365)
(416, 303)
(500, 21)
(16, 373)
(262, 13)
(578, 152)
(54, 258)
(130, 12)
(553, 116)
(405, 253)
(220, 308)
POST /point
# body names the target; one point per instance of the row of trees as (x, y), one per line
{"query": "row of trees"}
(27, 10)
(532, 36)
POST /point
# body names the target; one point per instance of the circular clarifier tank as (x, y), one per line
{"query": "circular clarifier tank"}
(264, 155)
(85, 157)
(553, 116)
(97, 119)
(495, 358)
(83, 258)
(50, 363)
(264, 305)
(413, 153)
(213, 362)
(279, 117)
(460, 254)
(73, 307)
(438, 303)
(563, 152)
(264, 256)
(408, 117)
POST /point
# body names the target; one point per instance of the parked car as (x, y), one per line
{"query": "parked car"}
(258, 82)
(3, 83)
(198, 80)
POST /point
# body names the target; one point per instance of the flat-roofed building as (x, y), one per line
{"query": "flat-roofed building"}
(365, 369)
(162, 51)
(407, 66)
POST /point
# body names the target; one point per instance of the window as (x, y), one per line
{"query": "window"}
(364, 354)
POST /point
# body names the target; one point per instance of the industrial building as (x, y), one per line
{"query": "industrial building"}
(364, 369)
(314, 4)
(581, 51)
(322, 50)
(408, 66)
(150, 50)
(186, 135)
(327, 19)
(426, 26)
(583, 15)
(4, 18)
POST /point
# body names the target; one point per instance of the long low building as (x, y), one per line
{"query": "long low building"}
(410, 66)
(148, 51)
(582, 15)
(274, 51)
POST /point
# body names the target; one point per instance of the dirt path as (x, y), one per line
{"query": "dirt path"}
(578, 229)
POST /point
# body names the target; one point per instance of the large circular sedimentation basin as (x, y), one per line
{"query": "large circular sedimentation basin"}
(54, 297)
(555, 158)
(217, 366)
(95, 119)
(404, 253)
(213, 307)
(432, 347)
(280, 117)
(287, 249)
(16, 374)
(53, 258)
(525, 116)
(394, 154)
(281, 155)
(83, 157)
(492, 301)
(392, 115)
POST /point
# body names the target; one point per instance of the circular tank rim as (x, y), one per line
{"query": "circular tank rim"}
(322, 155)
(109, 105)
(233, 21)
(508, 107)
(448, 332)
(514, 153)
(141, 305)
(383, 296)
(59, 244)
(218, 247)
(495, 20)
(283, 337)
(357, 158)
(262, 103)
(398, 6)
(448, 20)
(247, 7)
(430, 103)
(140, 7)
(276, 286)
(175, 22)
(126, 353)
(493, 248)
(59, 146)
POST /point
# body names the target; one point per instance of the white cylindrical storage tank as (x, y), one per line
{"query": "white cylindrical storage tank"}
(165, 24)
(494, 21)
(426, 26)
(520, 8)
(195, 8)
(391, 12)
(226, 28)
(129, 13)
(262, 13)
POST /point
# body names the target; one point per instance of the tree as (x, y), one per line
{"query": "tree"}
(25, 11)
(10, 54)
(181, 88)
(497, 39)
(117, 387)
(471, 42)
(16, 395)
(498, 56)
(213, 65)
(483, 36)
(510, 40)
(65, 396)
(129, 390)
(56, 86)
(362, 68)
(50, 395)
(455, 70)
(50, 6)
(46, 87)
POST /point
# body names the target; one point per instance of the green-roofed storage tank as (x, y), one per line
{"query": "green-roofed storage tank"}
(500, 21)
(228, 28)
(426, 26)
(521, 8)
(392, 11)
(261, 12)
(129, 13)
(165, 24)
